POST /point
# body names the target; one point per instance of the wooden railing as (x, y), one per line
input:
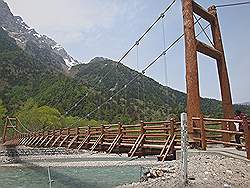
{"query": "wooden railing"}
(221, 131)
(146, 138)
(160, 138)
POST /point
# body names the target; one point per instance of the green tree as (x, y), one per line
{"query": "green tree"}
(38, 118)
(3, 112)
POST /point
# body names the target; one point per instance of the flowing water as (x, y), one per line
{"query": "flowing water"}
(68, 177)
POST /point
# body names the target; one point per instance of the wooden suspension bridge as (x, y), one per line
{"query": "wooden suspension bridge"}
(146, 138)
(157, 138)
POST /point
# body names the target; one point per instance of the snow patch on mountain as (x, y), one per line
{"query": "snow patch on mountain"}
(37, 35)
(22, 33)
(57, 47)
(70, 62)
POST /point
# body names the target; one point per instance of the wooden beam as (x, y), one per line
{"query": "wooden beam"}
(114, 143)
(64, 140)
(39, 141)
(208, 50)
(51, 138)
(199, 10)
(165, 146)
(44, 140)
(72, 141)
(56, 140)
(86, 139)
(170, 147)
(97, 142)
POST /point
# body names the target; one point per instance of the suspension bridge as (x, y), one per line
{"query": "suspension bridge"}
(160, 138)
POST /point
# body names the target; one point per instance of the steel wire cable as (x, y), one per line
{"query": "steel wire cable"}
(203, 30)
(165, 67)
(142, 72)
(233, 4)
(126, 53)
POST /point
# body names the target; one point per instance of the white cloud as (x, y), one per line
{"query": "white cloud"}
(70, 21)
(66, 14)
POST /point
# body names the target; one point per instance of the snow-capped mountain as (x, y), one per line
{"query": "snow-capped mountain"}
(24, 36)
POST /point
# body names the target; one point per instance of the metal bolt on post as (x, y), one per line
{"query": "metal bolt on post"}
(184, 147)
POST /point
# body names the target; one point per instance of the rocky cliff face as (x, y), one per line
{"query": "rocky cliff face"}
(32, 42)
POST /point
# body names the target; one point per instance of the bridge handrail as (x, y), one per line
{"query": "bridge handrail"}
(227, 129)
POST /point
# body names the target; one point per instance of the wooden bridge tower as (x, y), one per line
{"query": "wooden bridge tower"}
(192, 46)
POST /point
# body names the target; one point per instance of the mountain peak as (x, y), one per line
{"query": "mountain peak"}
(23, 34)
(98, 59)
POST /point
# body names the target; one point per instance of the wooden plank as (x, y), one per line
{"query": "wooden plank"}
(44, 140)
(114, 143)
(208, 50)
(60, 145)
(86, 139)
(72, 141)
(222, 142)
(97, 142)
(156, 122)
(39, 141)
(136, 145)
(203, 13)
(51, 138)
(26, 143)
(165, 146)
(156, 128)
(25, 138)
(37, 138)
(169, 147)
(224, 131)
(56, 140)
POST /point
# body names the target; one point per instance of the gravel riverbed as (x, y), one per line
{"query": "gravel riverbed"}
(61, 157)
(204, 170)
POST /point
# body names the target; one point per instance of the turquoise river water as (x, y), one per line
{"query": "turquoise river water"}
(68, 177)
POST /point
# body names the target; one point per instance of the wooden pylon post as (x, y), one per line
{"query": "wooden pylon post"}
(192, 78)
(5, 130)
(192, 46)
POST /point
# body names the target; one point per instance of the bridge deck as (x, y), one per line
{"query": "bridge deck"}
(147, 138)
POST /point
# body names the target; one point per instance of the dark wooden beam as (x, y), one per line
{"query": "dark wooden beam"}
(203, 13)
(208, 50)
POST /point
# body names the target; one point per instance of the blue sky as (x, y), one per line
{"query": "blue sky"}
(89, 28)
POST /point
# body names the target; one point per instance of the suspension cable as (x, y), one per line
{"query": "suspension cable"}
(165, 66)
(138, 80)
(233, 4)
(203, 30)
(125, 54)
(15, 128)
(142, 72)
(25, 128)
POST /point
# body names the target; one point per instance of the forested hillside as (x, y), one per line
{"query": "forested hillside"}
(43, 97)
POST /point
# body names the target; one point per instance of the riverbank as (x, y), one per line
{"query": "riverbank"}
(204, 170)
(61, 157)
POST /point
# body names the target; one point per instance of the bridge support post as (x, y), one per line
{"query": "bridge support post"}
(172, 121)
(142, 133)
(216, 51)
(192, 82)
(5, 130)
(247, 135)
(223, 75)
(222, 67)
(203, 133)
